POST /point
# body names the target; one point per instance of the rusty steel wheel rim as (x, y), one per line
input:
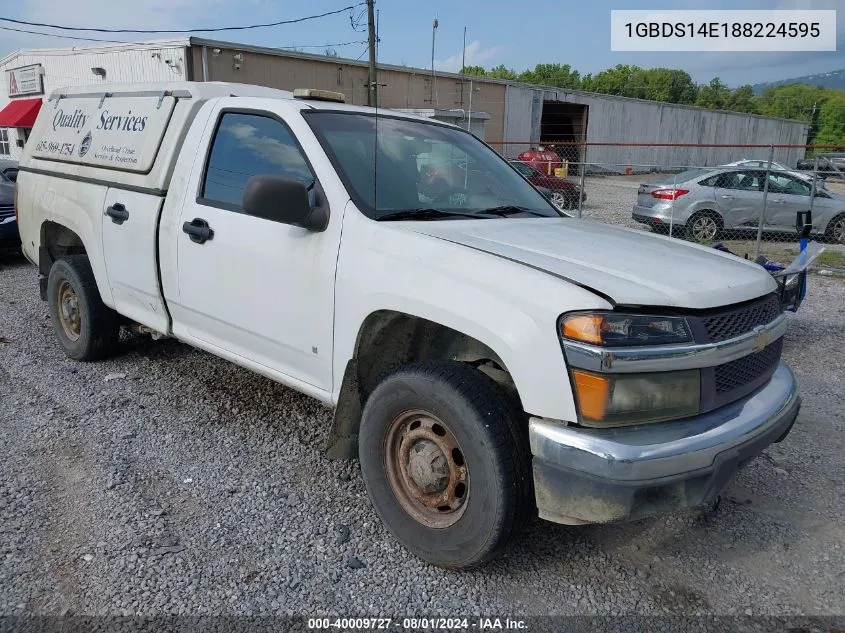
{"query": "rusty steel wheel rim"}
(426, 469)
(68, 309)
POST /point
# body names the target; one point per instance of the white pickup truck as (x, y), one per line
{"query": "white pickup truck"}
(487, 357)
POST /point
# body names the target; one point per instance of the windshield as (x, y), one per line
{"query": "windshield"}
(525, 170)
(430, 169)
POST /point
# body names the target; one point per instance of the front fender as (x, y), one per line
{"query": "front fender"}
(511, 308)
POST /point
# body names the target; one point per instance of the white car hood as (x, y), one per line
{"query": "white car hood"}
(627, 266)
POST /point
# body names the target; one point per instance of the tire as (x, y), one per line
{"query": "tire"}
(703, 226)
(477, 420)
(86, 328)
(560, 200)
(835, 230)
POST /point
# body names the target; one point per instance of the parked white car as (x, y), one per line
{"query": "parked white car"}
(485, 355)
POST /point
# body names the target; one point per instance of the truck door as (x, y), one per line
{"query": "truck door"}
(255, 289)
(130, 223)
(124, 134)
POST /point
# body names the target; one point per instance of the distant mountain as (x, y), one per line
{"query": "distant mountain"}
(834, 79)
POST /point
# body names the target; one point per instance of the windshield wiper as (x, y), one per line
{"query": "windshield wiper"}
(510, 209)
(426, 214)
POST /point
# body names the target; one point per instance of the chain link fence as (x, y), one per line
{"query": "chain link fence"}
(748, 198)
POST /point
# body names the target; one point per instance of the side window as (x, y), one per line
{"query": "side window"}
(742, 180)
(783, 183)
(247, 145)
(713, 181)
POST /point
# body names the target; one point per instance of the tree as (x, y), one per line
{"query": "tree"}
(743, 100)
(501, 72)
(477, 71)
(714, 95)
(831, 120)
(558, 75)
(611, 81)
(663, 84)
(794, 101)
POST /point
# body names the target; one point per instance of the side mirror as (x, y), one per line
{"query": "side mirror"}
(283, 200)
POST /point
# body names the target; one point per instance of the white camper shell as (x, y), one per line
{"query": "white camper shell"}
(123, 134)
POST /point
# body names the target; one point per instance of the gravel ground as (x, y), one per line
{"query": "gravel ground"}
(168, 481)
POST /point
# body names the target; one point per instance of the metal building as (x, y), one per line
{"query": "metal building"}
(515, 115)
(555, 115)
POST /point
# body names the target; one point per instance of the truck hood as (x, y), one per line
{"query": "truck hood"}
(626, 266)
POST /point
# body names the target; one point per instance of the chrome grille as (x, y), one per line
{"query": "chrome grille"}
(739, 321)
(748, 369)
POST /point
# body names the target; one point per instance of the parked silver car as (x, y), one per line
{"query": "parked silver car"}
(748, 163)
(703, 202)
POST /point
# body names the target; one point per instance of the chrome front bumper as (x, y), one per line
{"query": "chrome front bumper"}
(599, 475)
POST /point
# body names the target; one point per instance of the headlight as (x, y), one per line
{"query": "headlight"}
(613, 329)
(615, 400)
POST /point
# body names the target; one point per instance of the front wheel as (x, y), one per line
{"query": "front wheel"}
(446, 463)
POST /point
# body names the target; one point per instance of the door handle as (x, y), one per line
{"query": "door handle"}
(198, 230)
(118, 213)
(779, 201)
(727, 197)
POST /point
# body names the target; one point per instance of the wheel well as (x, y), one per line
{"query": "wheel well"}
(57, 242)
(388, 340)
(60, 241)
(712, 213)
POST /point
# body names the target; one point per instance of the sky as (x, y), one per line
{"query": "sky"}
(516, 34)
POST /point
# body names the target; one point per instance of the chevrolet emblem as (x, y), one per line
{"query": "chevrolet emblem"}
(761, 341)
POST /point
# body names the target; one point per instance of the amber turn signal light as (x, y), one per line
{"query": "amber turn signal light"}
(584, 327)
(592, 391)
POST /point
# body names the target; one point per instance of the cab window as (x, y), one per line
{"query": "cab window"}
(247, 145)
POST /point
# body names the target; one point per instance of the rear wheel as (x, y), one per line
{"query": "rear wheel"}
(703, 226)
(445, 462)
(86, 328)
(836, 229)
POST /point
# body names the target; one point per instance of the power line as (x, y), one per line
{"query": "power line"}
(208, 30)
(94, 39)
(66, 37)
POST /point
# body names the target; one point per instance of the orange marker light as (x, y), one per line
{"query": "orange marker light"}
(584, 327)
(593, 392)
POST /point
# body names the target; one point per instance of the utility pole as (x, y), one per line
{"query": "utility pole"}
(372, 88)
(463, 65)
(434, 26)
